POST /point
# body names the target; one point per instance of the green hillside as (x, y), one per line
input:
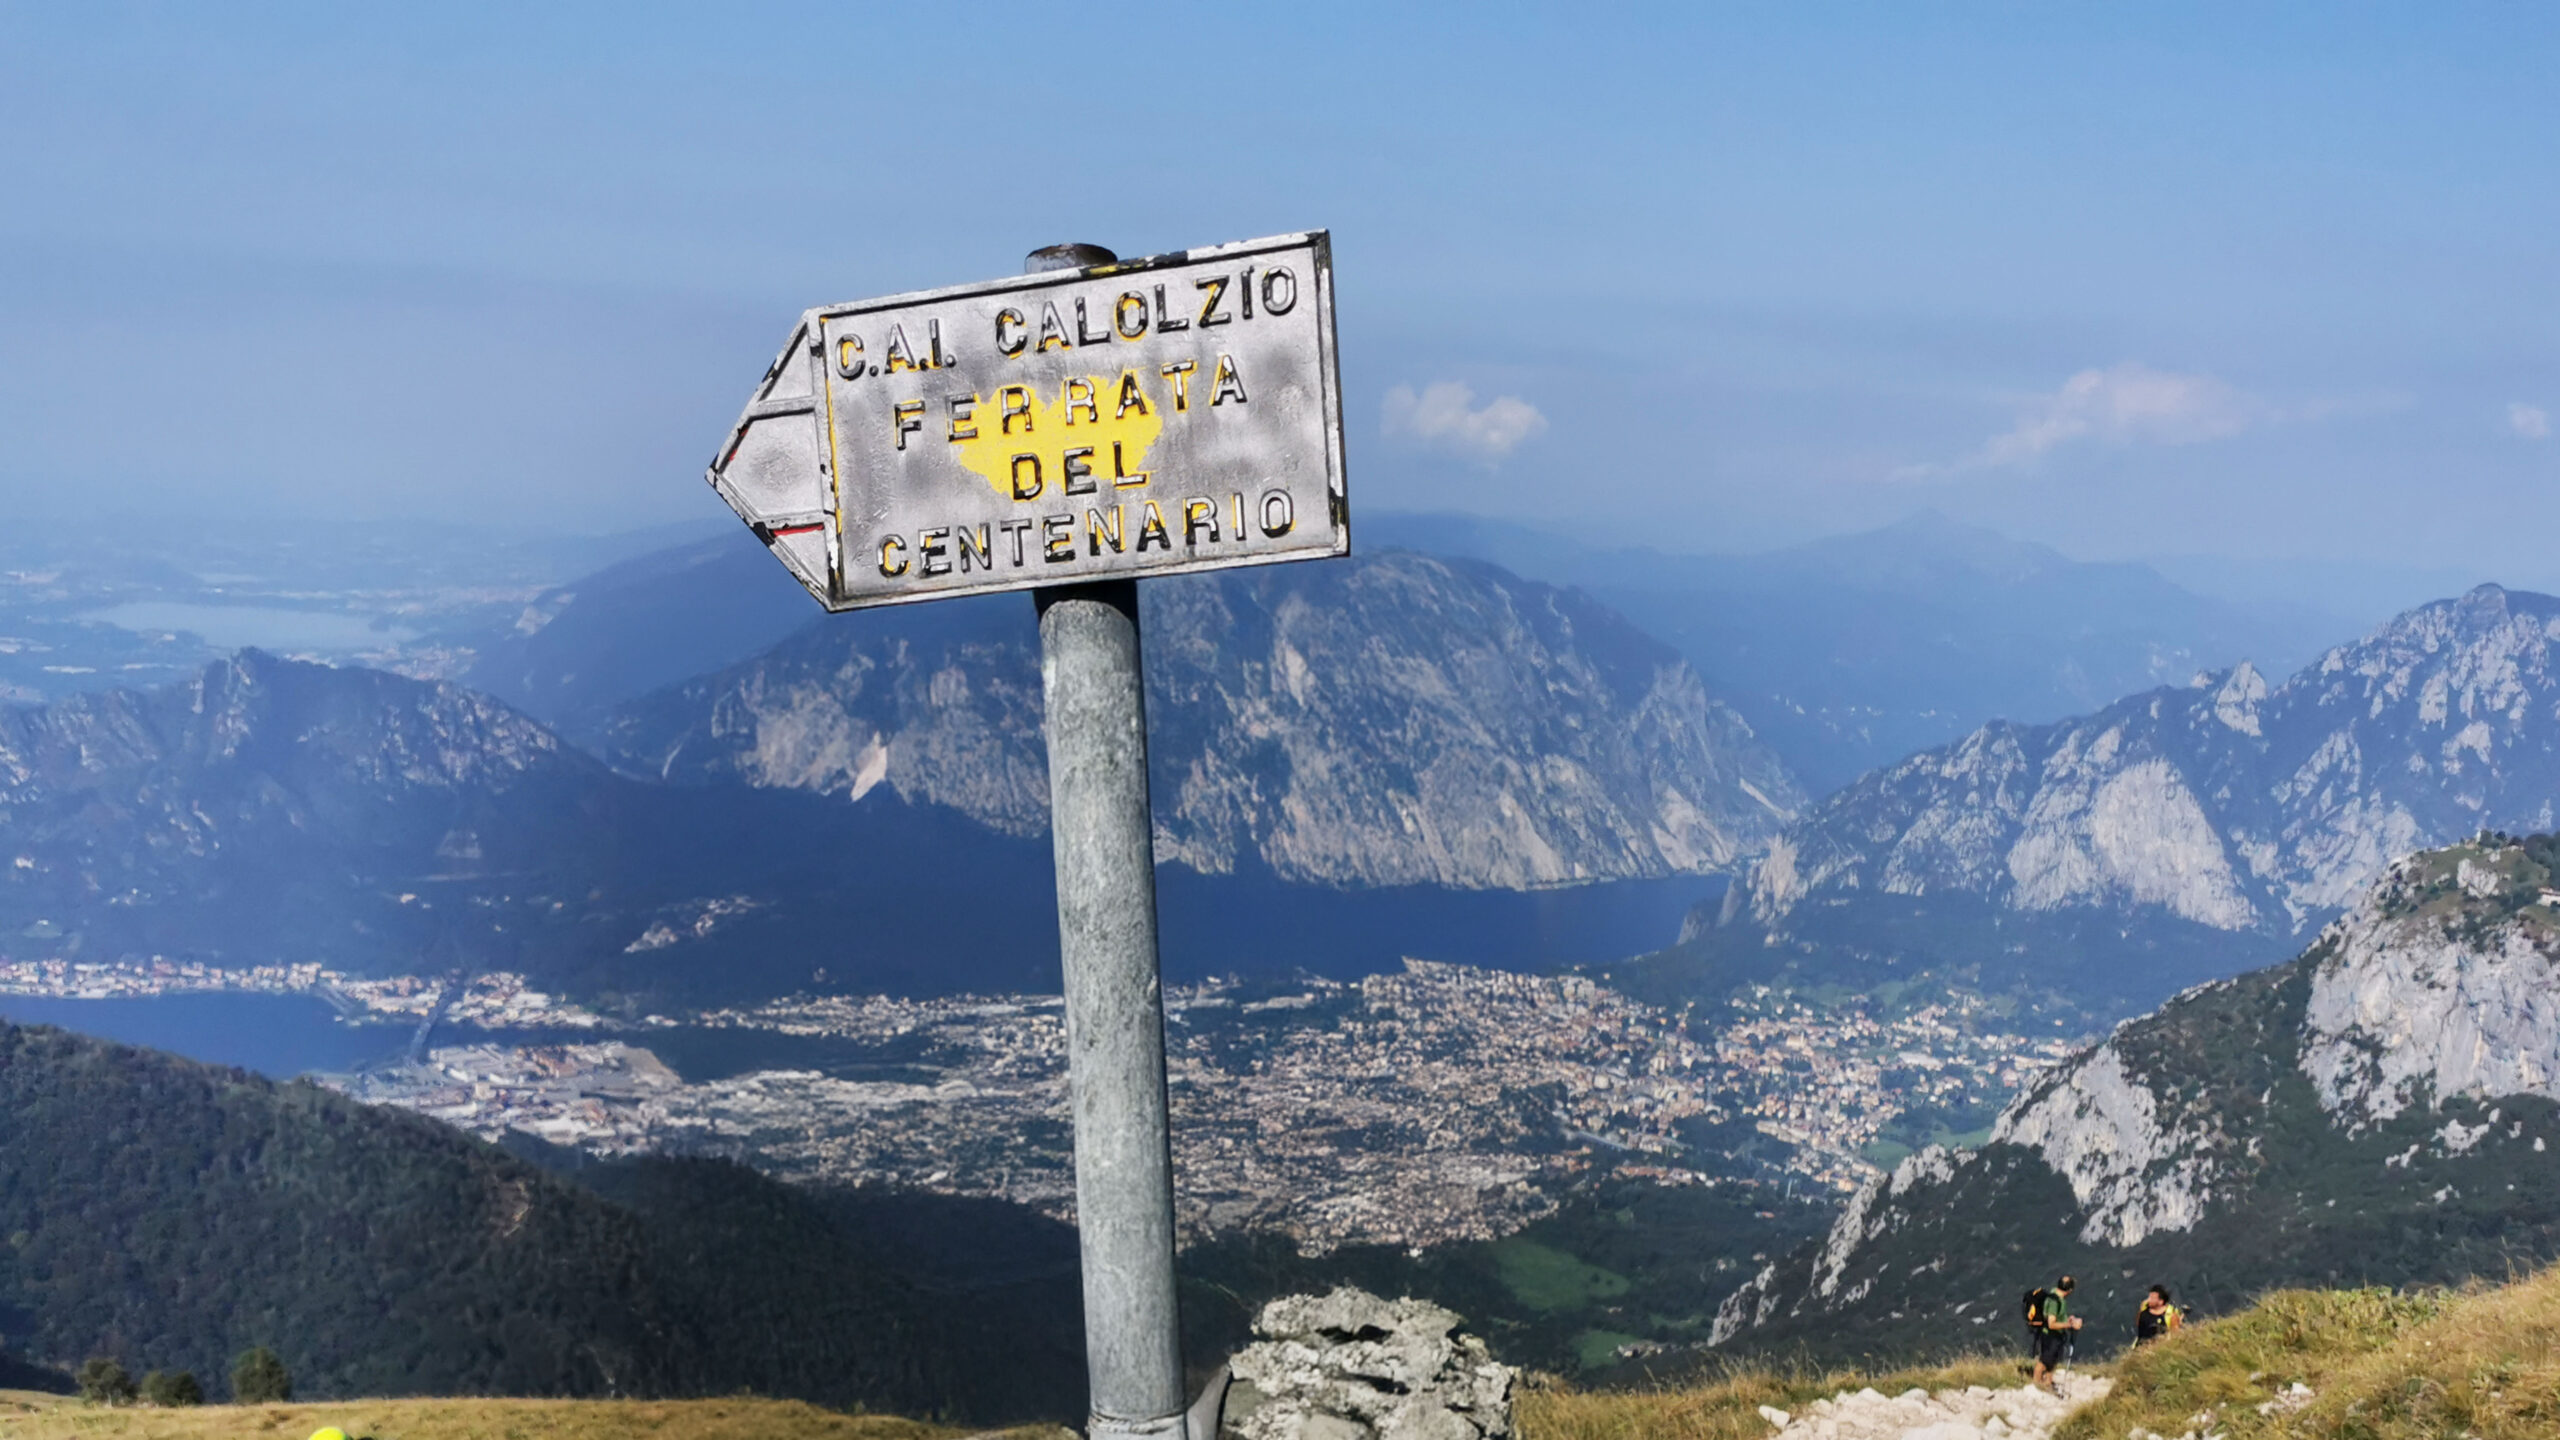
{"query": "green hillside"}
(172, 1214)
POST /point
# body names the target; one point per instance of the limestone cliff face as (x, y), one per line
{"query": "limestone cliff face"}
(1388, 720)
(2440, 983)
(2277, 1127)
(2232, 803)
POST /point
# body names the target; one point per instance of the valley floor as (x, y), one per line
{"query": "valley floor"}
(26, 1415)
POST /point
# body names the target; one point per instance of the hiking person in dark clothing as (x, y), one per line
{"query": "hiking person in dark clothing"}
(2157, 1317)
(2049, 1317)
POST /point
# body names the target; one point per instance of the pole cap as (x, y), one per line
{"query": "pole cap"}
(1065, 257)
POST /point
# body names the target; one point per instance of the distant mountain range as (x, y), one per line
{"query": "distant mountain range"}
(1376, 758)
(2384, 1109)
(638, 625)
(1852, 652)
(1401, 754)
(2231, 803)
(1843, 654)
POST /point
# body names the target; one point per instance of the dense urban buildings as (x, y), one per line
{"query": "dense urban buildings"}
(1441, 1103)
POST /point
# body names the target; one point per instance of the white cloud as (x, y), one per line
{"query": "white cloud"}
(2125, 404)
(2530, 421)
(1444, 417)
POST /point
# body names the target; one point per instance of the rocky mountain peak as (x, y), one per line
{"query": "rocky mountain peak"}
(1394, 719)
(2236, 703)
(2232, 804)
(2439, 983)
(298, 724)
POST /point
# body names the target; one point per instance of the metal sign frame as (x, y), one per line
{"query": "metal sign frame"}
(785, 470)
(795, 471)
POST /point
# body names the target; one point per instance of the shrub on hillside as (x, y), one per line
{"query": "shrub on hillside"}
(172, 1390)
(258, 1377)
(104, 1382)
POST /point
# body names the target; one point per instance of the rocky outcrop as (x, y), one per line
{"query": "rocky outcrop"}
(2232, 804)
(1388, 720)
(2133, 1170)
(2381, 1109)
(1351, 1366)
(2406, 1009)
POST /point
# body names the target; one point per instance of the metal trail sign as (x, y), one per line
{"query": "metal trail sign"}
(1067, 432)
(1127, 418)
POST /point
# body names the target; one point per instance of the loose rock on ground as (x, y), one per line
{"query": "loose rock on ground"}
(1973, 1413)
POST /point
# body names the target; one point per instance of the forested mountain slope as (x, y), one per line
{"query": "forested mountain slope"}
(172, 1214)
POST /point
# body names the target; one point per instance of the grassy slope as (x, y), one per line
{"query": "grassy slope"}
(2481, 1362)
(2381, 1365)
(1728, 1409)
(28, 1416)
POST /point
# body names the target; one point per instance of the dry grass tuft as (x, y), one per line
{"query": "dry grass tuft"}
(2482, 1362)
(2489, 1366)
(26, 1416)
(1727, 1409)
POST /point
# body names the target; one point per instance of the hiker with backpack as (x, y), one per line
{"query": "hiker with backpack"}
(2052, 1326)
(2157, 1319)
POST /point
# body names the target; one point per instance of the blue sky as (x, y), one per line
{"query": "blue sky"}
(2136, 281)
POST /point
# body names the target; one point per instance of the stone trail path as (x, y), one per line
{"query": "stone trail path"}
(1975, 1413)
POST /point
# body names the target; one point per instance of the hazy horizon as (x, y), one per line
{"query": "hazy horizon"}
(2270, 293)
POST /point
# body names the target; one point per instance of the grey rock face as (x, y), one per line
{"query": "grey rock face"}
(1351, 1366)
(2231, 803)
(1389, 720)
(2384, 1108)
(2407, 1011)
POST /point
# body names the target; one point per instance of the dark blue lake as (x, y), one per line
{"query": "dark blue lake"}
(280, 1036)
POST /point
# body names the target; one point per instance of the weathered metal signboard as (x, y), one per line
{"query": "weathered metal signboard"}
(1145, 417)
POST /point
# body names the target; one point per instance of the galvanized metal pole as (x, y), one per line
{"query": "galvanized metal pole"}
(1104, 832)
